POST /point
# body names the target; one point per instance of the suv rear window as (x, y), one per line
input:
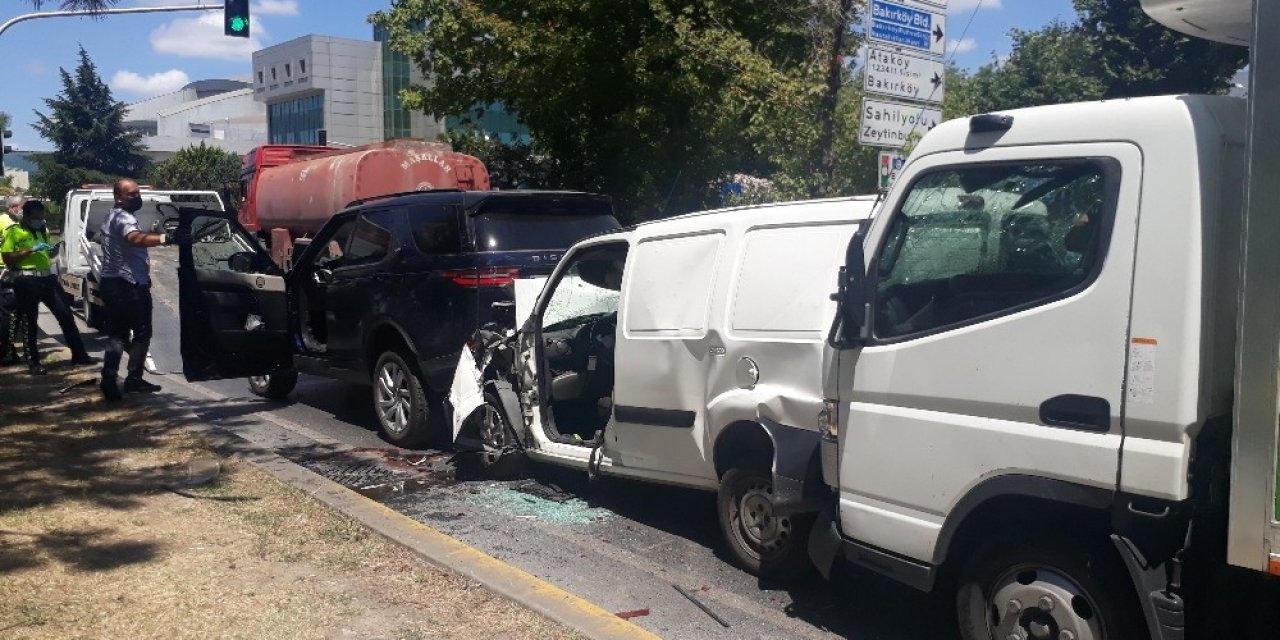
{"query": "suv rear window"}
(537, 231)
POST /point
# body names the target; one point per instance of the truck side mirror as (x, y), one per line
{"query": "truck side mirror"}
(853, 312)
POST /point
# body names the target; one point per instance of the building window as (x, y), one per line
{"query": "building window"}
(288, 70)
(395, 77)
(302, 67)
(296, 121)
(273, 74)
(260, 76)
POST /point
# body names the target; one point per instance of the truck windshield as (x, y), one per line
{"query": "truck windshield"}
(537, 231)
(149, 216)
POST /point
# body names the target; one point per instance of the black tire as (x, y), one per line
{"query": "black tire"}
(276, 386)
(1005, 586)
(94, 314)
(499, 461)
(403, 412)
(768, 546)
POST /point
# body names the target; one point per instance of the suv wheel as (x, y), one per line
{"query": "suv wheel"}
(400, 401)
(766, 544)
(276, 386)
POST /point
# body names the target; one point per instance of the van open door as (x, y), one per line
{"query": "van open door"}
(233, 303)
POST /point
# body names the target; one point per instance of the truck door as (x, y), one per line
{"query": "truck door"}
(998, 289)
(665, 346)
(232, 301)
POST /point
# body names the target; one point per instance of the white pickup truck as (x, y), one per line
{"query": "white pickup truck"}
(85, 209)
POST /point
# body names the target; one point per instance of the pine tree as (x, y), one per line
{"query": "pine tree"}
(86, 125)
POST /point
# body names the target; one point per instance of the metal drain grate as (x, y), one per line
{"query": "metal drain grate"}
(355, 474)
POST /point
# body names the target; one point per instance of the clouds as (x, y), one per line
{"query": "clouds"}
(125, 81)
(964, 45)
(202, 37)
(274, 8)
(955, 7)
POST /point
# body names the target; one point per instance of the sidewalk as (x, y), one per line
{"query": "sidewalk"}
(117, 522)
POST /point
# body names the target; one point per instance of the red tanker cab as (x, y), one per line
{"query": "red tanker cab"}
(386, 292)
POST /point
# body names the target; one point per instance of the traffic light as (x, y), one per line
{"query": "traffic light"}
(235, 18)
(4, 148)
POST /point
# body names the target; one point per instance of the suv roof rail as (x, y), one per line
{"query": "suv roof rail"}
(384, 196)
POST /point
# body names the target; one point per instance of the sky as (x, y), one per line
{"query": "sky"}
(150, 54)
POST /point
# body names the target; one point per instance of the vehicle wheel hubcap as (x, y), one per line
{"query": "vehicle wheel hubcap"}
(260, 382)
(393, 398)
(1037, 603)
(762, 530)
(493, 431)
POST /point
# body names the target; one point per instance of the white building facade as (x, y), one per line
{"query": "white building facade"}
(219, 113)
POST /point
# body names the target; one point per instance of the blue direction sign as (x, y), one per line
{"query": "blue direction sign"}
(908, 25)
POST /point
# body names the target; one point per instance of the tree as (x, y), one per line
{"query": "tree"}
(652, 101)
(86, 125)
(199, 168)
(78, 5)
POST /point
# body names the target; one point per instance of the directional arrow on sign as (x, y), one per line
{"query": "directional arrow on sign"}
(937, 33)
(937, 80)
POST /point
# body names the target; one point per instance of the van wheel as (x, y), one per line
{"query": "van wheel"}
(276, 386)
(765, 544)
(400, 401)
(501, 459)
(1010, 590)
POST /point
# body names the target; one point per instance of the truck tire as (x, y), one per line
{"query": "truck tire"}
(400, 401)
(766, 545)
(94, 314)
(276, 386)
(1054, 589)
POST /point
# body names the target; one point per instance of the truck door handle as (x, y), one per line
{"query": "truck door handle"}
(1086, 413)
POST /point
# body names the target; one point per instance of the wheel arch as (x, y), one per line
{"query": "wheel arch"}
(384, 335)
(788, 453)
(1045, 499)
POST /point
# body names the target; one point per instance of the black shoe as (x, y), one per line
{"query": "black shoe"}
(85, 359)
(110, 390)
(138, 385)
(10, 360)
(37, 370)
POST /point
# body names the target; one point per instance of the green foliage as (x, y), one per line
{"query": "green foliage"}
(86, 125)
(1114, 50)
(53, 180)
(651, 101)
(199, 168)
(510, 166)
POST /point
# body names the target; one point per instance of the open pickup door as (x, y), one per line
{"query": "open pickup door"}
(233, 302)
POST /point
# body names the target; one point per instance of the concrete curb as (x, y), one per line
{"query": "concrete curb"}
(439, 549)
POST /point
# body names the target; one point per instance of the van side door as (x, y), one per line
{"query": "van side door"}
(999, 285)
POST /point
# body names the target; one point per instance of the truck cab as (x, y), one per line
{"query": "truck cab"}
(385, 294)
(1035, 358)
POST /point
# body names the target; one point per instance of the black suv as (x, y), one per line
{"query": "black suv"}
(388, 293)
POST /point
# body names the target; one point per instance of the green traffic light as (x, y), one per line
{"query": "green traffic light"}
(239, 23)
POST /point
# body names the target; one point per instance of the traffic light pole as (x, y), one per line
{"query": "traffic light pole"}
(106, 12)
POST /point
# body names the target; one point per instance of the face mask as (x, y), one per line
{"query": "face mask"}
(36, 225)
(132, 205)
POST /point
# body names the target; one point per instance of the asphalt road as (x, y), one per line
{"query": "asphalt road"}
(622, 545)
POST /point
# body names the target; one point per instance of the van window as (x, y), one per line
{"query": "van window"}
(537, 231)
(971, 243)
(786, 277)
(669, 285)
(369, 243)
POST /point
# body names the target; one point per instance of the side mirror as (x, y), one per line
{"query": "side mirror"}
(854, 310)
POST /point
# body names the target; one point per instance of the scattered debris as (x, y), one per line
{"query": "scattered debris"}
(76, 385)
(705, 609)
(516, 503)
(634, 613)
(545, 491)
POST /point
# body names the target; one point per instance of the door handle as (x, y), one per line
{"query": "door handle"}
(1085, 413)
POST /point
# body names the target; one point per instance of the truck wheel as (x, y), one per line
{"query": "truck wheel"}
(1053, 590)
(400, 401)
(276, 386)
(93, 313)
(767, 545)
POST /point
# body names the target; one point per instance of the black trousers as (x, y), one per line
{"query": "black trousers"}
(128, 315)
(33, 291)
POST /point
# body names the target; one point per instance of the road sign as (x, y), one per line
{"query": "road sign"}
(903, 75)
(890, 124)
(891, 163)
(907, 24)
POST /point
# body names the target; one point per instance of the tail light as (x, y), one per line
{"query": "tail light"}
(475, 278)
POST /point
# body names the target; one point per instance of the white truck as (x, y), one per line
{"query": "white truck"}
(1054, 387)
(80, 257)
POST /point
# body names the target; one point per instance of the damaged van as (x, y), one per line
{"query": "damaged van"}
(686, 351)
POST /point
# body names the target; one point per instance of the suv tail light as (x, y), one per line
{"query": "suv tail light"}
(475, 278)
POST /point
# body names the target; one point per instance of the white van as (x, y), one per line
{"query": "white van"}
(687, 351)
